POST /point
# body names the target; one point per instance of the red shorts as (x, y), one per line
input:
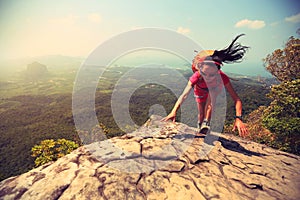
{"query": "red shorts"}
(201, 95)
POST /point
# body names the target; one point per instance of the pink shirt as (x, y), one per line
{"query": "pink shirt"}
(200, 86)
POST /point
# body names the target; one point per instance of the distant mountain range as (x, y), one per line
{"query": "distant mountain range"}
(8, 67)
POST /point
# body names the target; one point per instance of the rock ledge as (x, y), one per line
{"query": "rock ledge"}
(163, 160)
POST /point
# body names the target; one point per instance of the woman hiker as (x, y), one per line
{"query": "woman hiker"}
(208, 80)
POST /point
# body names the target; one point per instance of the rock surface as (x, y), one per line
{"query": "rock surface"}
(163, 160)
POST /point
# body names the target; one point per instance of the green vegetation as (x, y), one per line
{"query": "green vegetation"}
(282, 116)
(284, 63)
(253, 95)
(32, 112)
(50, 150)
(25, 121)
(278, 123)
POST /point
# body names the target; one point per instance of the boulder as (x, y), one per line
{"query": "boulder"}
(163, 160)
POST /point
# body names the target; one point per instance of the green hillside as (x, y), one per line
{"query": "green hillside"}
(34, 111)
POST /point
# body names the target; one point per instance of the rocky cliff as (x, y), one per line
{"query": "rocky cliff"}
(163, 160)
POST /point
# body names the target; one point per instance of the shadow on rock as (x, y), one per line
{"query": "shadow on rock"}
(231, 145)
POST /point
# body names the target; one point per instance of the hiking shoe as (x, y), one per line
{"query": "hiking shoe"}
(205, 127)
(198, 125)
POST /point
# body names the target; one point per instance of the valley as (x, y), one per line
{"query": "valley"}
(32, 110)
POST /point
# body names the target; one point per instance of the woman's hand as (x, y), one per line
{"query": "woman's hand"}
(238, 124)
(179, 101)
(171, 116)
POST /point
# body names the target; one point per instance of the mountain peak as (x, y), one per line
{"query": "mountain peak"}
(35, 70)
(163, 160)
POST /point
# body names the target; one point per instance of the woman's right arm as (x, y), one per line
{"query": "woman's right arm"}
(178, 103)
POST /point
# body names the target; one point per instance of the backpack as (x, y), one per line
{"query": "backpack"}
(200, 57)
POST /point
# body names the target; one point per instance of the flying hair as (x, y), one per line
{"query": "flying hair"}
(231, 54)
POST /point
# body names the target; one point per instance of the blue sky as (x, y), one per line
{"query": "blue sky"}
(75, 28)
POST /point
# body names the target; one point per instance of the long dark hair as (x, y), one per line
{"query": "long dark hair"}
(231, 54)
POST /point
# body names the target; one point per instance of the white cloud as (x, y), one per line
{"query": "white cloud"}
(252, 24)
(293, 18)
(183, 30)
(94, 17)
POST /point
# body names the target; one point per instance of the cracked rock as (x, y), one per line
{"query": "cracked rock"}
(163, 160)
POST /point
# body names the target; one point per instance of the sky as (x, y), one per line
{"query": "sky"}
(75, 28)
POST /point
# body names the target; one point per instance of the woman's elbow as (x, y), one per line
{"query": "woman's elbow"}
(238, 100)
(183, 97)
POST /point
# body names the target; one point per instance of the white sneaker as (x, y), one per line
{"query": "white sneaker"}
(205, 127)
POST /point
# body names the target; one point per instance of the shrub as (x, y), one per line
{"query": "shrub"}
(51, 150)
(282, 116)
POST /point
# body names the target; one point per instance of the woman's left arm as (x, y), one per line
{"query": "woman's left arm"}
(238, 123)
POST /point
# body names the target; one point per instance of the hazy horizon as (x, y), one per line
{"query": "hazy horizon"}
(132, 60)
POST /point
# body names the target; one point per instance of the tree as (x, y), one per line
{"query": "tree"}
(282, 116)
(285, 64)
(50, 150)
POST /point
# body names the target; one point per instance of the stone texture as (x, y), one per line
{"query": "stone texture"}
(163, 160)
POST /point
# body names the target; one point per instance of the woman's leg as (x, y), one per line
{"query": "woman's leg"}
(209, 106)
(208, 109)
(201, 109)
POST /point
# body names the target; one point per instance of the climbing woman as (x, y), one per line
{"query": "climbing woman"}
(208, 81)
